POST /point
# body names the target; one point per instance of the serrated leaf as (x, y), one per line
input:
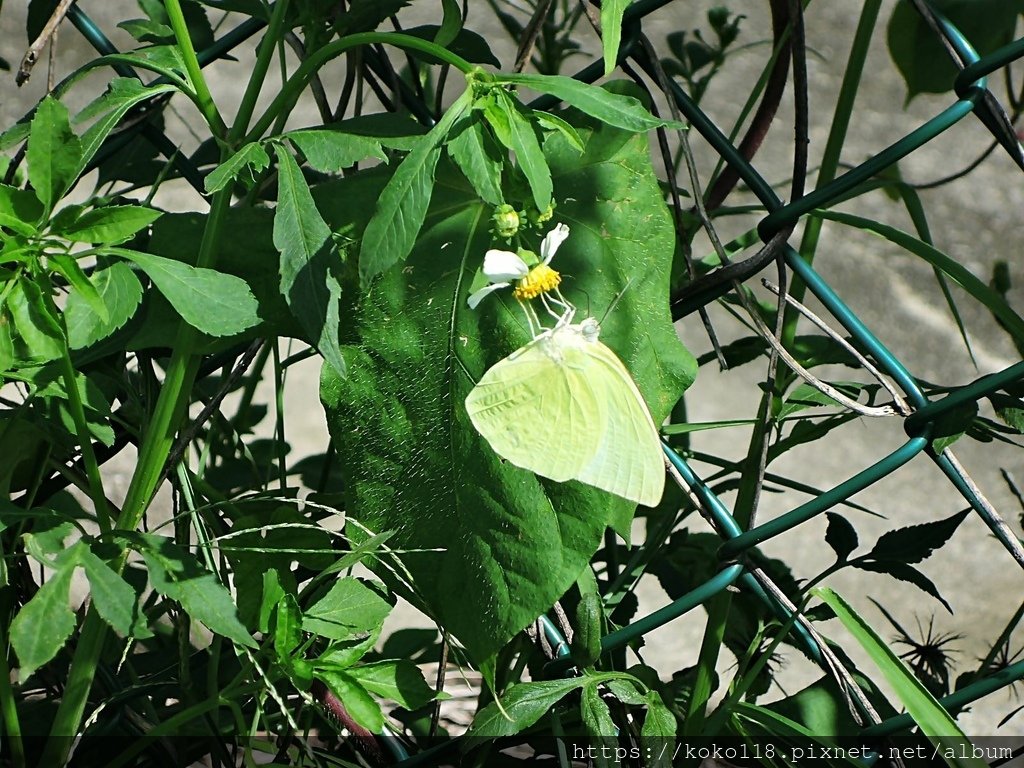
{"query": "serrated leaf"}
(147, 30)
(476, 156)
(597, 719)
(350, 607)
(54, 152)
(6, 342)
(67, 266)
(391, 232)
(398, 681)
(308, 276)
(1010, 410)
(176, 574)
(916, 542)
(516, 132)
(121, 293)
(37, 331)
(213, 302)
(611, 31)
(841, 536)
(522, 705)
(413, 462)
(251, 156)
(19, 210)
(614, 109)
(113, 597)
(330, 151)
(658, 732)
(45, 623)
(122, 94)
(903, 572)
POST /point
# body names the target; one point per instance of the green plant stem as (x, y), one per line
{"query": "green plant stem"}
(204, 99)
(92, 467)
(8, 705)
(263, 59)
(696, 710)
(157, 440)
(291, 89)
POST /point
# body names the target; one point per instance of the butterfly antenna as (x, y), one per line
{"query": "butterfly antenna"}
(615, 301)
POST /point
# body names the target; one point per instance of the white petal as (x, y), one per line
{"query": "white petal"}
(551, 241)
(477, 297)
(504, 265)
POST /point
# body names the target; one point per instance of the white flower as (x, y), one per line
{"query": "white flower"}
(504, 269)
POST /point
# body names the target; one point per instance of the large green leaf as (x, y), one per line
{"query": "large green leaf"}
(494, 545)
(918, 52)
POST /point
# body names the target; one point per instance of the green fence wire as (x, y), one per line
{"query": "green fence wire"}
(972, 97)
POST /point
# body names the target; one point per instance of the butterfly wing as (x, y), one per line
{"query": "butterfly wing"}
(538, 412)
(628, 461)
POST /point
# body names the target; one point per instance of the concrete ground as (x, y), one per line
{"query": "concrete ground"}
(976, 220)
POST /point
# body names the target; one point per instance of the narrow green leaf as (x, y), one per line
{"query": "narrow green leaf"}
(451, 23)
(54, 152)
(110, 225)
(614, 109)
(121, 293)
(399, 681)
(308, 281)
(46, 622)
(19, 210)
(477, 157)
(553, 122)
(176, 574)
(215, 303)
(6, 343)
(66, 265)
(402, 206)
(113, 597)
(252, 156)
(934, 721)
(273, 593)
(516, 132)
(611, 31)
(350, 607)
(991, 299)
(287, 626)
(332, 151)
(841, 536)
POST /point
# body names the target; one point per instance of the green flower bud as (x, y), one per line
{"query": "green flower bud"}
(505, 221)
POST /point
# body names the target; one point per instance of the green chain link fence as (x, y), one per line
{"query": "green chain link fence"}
(973, 97)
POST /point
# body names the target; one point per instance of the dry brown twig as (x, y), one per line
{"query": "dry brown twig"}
(49, 31)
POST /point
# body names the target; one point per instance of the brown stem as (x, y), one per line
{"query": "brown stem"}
(770, 100)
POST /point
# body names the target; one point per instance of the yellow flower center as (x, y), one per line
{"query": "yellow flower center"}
(540, 279)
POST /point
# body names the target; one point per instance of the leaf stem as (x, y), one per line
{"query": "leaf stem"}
(170, 408)
(204, 99)
(256, 79)
(291, 89)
